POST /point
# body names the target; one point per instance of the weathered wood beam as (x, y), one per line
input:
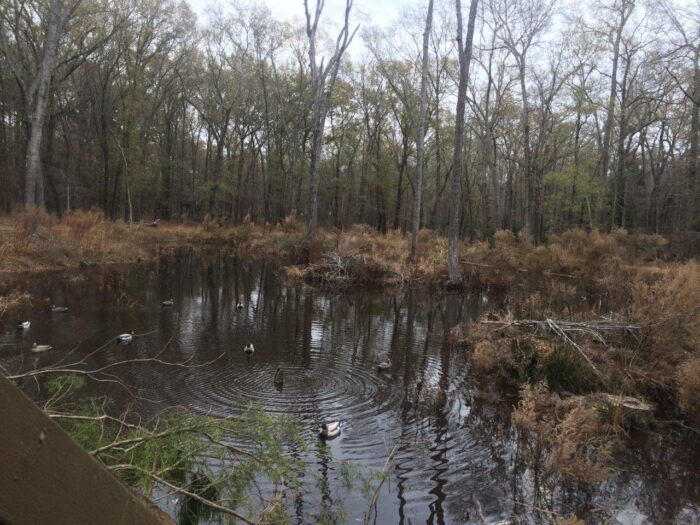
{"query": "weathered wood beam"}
(46, 477)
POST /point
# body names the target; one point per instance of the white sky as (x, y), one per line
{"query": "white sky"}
(367, 13)
(373, 12)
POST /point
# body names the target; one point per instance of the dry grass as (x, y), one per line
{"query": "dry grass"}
(36, 241)
(573, 265)
(654, 354)
(564, 440)
(689, 388)
(668, 305)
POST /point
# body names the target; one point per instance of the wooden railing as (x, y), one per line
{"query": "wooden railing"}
(47, 478)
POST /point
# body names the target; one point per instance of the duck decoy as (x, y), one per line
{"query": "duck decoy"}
(239, 305)
(279, 376)
(168, 302)
(125, 339)
(248, 350)
(59, 309)
(384, 366)
(23, 325)
(329, 430)
(40, 348)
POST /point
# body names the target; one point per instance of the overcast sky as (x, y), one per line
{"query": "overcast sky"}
(375, 12)
(365, 12)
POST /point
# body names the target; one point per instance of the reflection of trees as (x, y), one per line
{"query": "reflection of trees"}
(306, 332)
(662, 477)
(453, 460)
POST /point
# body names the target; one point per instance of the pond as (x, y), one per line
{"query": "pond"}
(454, 460)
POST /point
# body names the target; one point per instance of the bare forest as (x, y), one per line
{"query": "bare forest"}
(573, 115)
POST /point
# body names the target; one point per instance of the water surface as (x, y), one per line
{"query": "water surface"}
(455, 447)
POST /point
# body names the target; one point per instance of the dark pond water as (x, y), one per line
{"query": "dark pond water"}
(455, 445)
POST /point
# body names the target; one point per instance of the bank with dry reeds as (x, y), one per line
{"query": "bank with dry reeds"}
(600, 332)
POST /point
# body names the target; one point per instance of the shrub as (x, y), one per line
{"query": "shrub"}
(668, 307)
(563, 440)
(29, 227)
(292, 224)
(80, 222)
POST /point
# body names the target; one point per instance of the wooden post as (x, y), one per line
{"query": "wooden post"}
(46, 477)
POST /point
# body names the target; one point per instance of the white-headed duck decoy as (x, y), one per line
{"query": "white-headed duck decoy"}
(279, 376)
(168, 302)
(40, 348)
(125, 339)
(59, 309)
(329, 430)
(239, 305)
(384, 366)
(23, 325)
(248, 350)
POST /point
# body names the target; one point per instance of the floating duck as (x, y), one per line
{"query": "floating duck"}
(40, 348)
(248, 350)
(384, 366)
(239, 305)
(168, 302)
(329, 430)
(23, 325)
(125, 339)
(279, 376)
(59, 309)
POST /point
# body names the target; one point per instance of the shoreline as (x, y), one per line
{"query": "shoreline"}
(598, 333)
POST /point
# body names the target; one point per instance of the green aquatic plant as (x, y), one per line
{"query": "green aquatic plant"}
(198, 457)
(245, 466)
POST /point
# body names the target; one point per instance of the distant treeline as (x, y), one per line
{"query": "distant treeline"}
(572, 120)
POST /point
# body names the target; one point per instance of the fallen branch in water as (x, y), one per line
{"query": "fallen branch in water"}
(595, 328)
(67, 369)
(520, 270)
(375, 496)
(561, 333)
(568, 330)
(204, 501)
(103, 417)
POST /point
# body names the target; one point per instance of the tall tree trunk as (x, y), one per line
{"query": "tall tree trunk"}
(399, 185)
(420, 138)
(219, 160)
(694, 137)
(577, 154)
(530, 210)
(465, 56)
(33, 190)
(314, 176)
(322, 82)
(48, 158)
(619, 179)
(625, 10)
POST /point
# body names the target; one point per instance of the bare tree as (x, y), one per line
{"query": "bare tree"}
(37, 92)
(624, 9)
(323, 77)
(464, 48)
(521, 23)
(686, 43)
(420, 136)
